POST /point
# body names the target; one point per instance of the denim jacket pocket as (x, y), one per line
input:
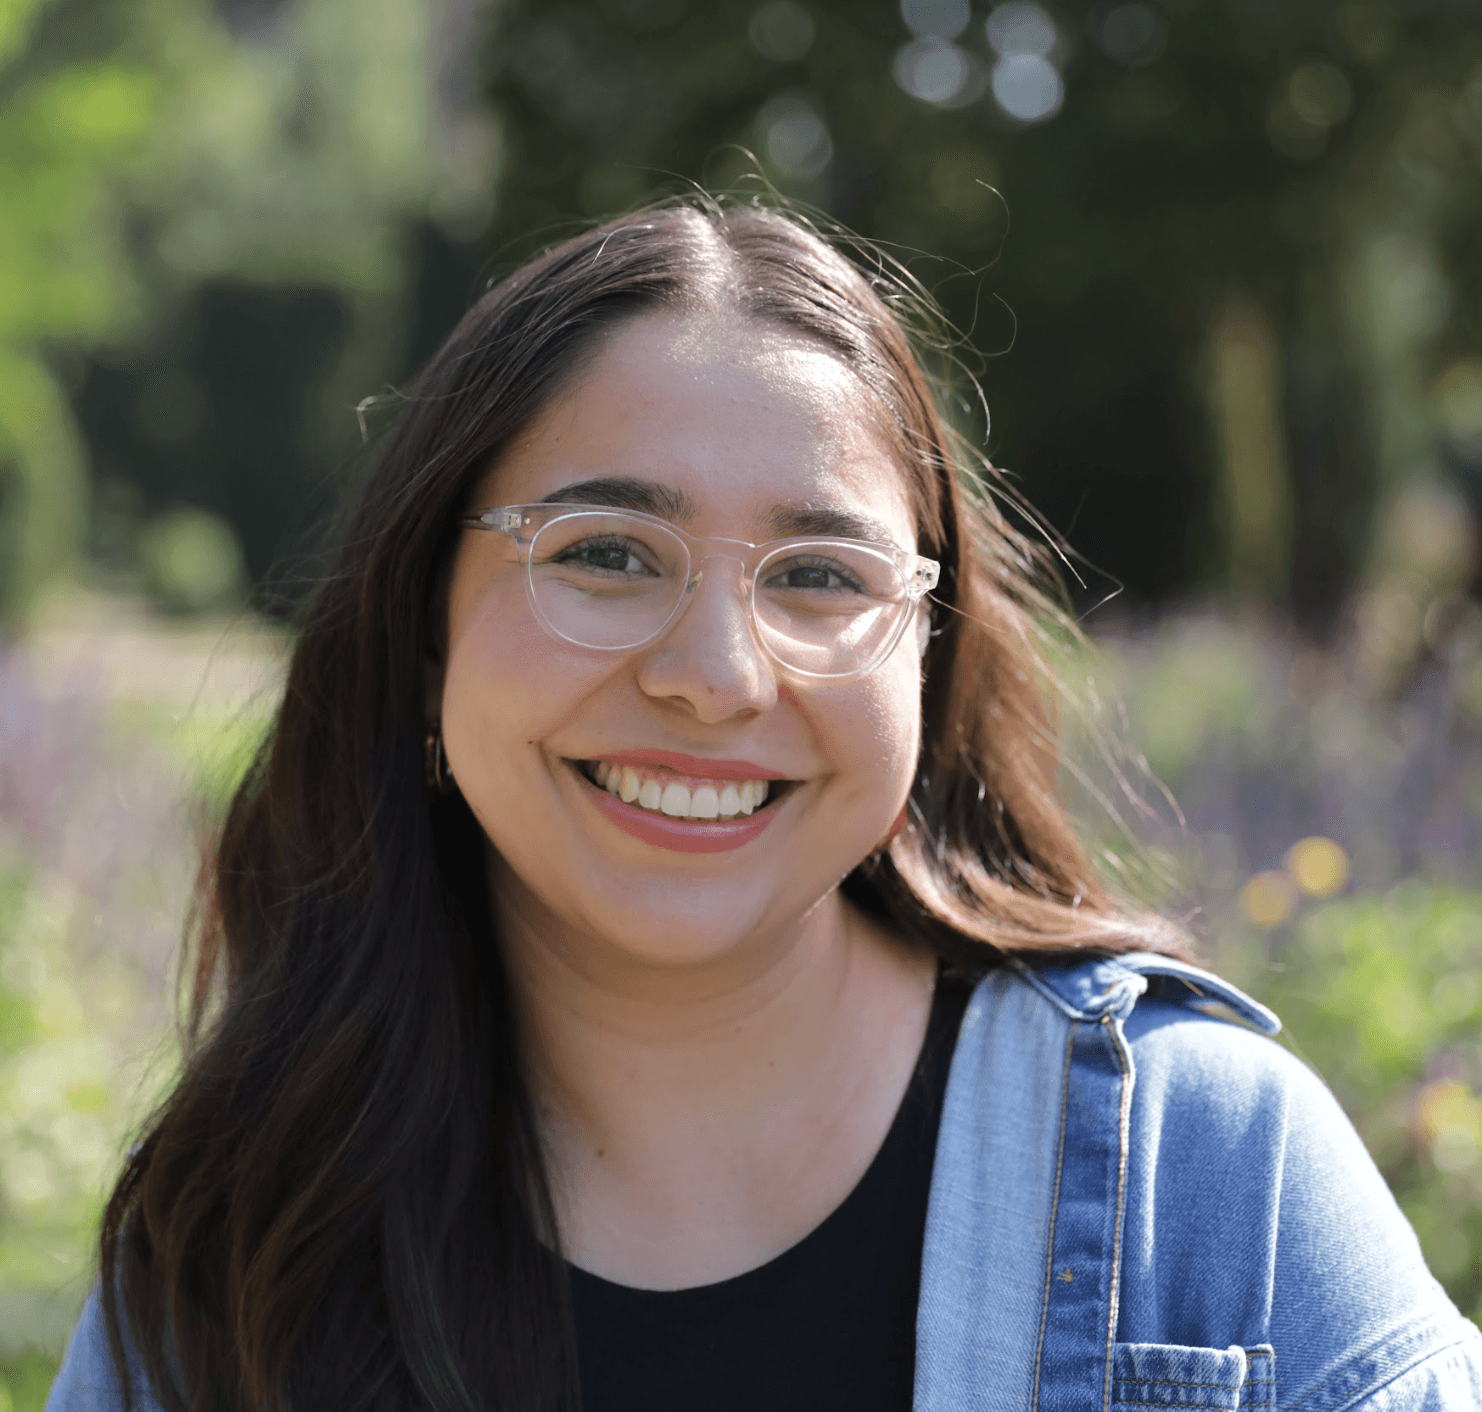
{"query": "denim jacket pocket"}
(1161, 1376)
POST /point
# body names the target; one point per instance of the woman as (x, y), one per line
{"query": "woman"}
(655, 969)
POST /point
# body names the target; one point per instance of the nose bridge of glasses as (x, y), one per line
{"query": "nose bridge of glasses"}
(706, 555)
(738, 552)
(714, 631)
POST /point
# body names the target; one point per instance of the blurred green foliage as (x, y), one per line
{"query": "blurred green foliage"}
(25, 1381)
(300, 151)
(69, 1092)
(66, 129)
(1383, 996)
(191, 561)
(207, 216)
(102, 807)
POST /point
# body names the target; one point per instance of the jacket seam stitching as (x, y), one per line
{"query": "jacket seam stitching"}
(1373, 1351)
(1044, 1315)
(1167, 1382)
(1200, 1406)
(1124, 1123)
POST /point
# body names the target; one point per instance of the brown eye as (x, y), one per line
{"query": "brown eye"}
(822, 576)
(612, 556)
(807, 578)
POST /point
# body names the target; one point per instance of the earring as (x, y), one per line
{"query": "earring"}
(435, 762)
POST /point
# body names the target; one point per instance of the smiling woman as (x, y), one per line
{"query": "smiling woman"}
(648, 965)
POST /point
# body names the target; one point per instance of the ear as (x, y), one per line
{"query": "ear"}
(923, 626)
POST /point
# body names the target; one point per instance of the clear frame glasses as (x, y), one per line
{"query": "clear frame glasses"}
(615, 580)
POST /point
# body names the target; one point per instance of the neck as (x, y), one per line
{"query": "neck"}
(677, 1101)
(603, 1034)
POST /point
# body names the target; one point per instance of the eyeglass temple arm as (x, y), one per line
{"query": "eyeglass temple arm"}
(511, 522)
(496, 520)
(925, 577)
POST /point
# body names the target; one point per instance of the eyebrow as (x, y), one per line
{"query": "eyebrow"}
(627, 493)
(785, 520)
(828, 521)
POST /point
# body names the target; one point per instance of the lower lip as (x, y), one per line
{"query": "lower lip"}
(678, 835)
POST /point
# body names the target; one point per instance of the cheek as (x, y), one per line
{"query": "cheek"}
(871, 738)
(506, 686)
(899, 721)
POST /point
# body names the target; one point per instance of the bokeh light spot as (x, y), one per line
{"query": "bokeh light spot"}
(191, 561)
(781, 30)
(794, 136)
(1320, 94)
(28, 1178)
(1428, 536)
(937, 71)
(1319, 866)
(1366, 27)
(1027, 87)
(1267, 899)
(87, 1096)
(1411, 292)
(944, 19)
(1458, 397)
(1021, 27)
(1454, 996)
(1450, 1117)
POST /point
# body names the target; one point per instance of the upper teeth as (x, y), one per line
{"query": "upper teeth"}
(665, 794)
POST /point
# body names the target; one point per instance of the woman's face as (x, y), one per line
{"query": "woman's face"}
(736, 430)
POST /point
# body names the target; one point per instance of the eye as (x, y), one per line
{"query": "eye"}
(817, 575)
(607, 555)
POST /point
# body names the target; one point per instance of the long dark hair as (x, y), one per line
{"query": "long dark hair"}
(342, 1203)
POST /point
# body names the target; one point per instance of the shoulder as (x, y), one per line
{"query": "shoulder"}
(1198, 1065)
(1236, 1146)
(87, 1380)
(1253, 1215)
(1202, 1055)
(1243, 1162)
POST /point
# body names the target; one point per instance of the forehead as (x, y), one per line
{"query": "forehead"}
(739, 418)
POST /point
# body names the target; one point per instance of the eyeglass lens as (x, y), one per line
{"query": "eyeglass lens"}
(613, 581)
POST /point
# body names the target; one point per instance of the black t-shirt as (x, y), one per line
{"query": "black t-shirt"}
(828, 1324)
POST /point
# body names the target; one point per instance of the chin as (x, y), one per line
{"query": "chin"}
(685, 922)
(635, 904)
(658, 916)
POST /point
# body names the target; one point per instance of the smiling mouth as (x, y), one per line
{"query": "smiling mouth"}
(693, 799)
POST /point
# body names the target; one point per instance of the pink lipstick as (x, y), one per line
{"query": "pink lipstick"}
(681, 835)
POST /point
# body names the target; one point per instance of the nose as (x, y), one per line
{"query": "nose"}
(710, 660)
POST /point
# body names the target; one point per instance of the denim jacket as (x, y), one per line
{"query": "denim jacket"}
(1139, 1202)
